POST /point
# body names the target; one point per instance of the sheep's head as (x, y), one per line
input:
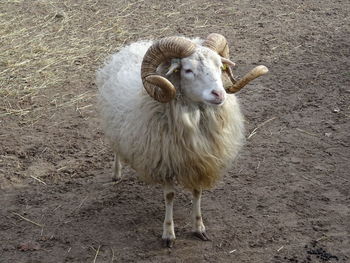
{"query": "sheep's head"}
(199, 76)
(200, 68)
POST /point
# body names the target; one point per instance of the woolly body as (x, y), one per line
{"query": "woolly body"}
(189, 142)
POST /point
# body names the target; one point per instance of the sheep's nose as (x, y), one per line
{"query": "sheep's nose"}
(218, 94)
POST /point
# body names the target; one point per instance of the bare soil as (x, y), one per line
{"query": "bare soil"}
(287, 198)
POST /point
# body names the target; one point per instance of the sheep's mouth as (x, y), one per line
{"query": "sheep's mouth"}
(215, 102)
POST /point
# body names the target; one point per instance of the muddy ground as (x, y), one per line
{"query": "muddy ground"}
(287, 199)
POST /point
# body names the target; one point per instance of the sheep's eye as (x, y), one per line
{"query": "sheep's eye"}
(187, 71)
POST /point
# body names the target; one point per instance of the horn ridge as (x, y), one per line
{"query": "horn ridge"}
(218, 43)
(164, 49)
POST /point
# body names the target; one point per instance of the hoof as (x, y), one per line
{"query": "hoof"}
(201, 235)
(169, 243)
(116, 180)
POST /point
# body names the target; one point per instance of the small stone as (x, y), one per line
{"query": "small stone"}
(295, 160)
(336, 110)
(320, 168)
(59, 16)
(28, 246)
(328, 134)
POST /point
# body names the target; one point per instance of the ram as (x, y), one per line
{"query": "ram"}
(167, 114)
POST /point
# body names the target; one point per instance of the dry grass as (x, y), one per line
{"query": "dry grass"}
(28, 220)
(259, 126)
(47, 47)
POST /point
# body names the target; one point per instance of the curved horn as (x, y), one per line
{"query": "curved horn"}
(157, 86)
(253, 74)
(217, 43)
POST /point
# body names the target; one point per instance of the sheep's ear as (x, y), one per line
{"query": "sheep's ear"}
(175, 65)
(226, 62)
(227, 76)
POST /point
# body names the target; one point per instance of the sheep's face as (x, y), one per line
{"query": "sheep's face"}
(201, 77)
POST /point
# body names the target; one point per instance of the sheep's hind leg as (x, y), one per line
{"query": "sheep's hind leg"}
(168, 226)
(198, 226)
(117, 169)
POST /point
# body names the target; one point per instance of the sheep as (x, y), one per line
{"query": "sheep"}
(166, 113)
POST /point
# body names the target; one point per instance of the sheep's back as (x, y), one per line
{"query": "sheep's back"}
(119, 85)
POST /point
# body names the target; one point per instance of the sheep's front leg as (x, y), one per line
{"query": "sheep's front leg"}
(117, 168)
(198, 226)
(168, 226)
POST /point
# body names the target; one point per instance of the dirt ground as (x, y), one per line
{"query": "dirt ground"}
(287, 198)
